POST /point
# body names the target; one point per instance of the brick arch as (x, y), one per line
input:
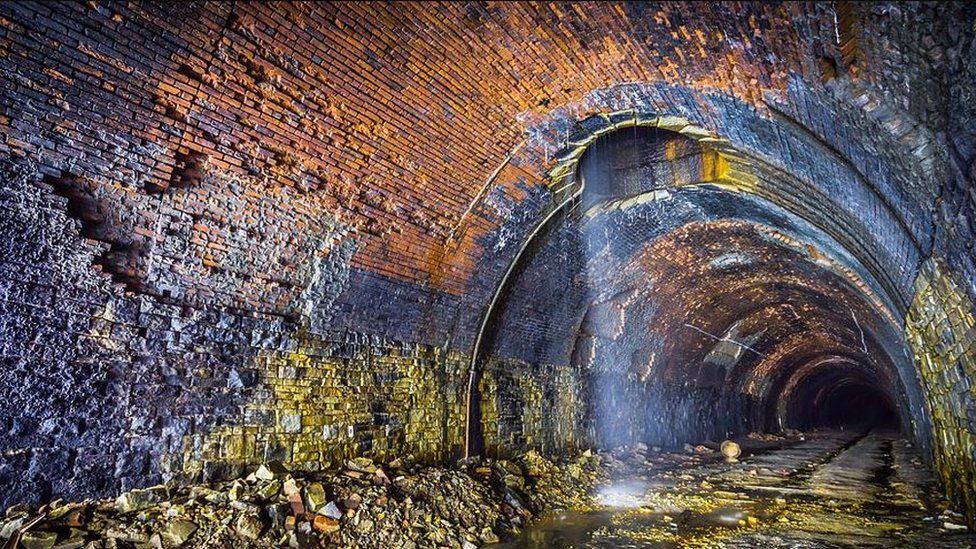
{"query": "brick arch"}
(729, 170)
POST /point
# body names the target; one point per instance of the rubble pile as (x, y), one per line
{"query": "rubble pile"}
(363, 504)
(772, 437)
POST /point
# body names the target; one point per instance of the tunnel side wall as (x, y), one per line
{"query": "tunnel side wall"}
(104, 390)
(941, 328)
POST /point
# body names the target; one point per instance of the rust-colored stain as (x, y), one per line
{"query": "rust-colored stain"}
(389, 151)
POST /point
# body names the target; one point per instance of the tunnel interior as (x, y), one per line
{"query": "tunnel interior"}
(841, 396)
(380, 274)
(851, 405)
(691, 312)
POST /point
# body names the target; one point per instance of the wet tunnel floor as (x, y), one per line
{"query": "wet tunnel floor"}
(833, 489)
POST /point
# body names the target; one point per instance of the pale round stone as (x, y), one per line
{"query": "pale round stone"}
(730, 450)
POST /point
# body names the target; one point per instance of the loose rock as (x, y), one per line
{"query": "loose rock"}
(476, 502)
(39, 540)
(249, 526)
(140, 499)
(730, 450)
(177, 532)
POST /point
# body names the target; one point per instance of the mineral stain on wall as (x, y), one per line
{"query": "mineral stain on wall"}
(941, 329)
(528, 406)
(323, 403)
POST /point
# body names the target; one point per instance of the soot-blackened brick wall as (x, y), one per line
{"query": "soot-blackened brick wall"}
(105, 390)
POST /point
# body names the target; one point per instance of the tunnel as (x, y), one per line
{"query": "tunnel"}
(464, 274)
(844, 403)
(693, 312)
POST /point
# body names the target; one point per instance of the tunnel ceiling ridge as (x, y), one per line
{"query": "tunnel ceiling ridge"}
(807, 238)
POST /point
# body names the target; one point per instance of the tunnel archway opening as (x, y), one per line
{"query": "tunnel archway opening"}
(638, 159)
(853, 406)
(685, 307)
(842, 397)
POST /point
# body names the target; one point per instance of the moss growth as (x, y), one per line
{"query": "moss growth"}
(940, 330)
(312, 409)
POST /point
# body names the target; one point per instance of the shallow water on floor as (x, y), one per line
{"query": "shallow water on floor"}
(616, 528)
(633, 514)
(836, 491)
(563, 529)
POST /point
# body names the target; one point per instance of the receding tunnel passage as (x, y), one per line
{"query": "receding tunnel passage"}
(464, 274)
(851, 406)
(841, 397)
(685, 306)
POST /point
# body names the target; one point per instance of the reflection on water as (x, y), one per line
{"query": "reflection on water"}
(625, 528)
(622, 494)
(623, 509)
(563, 529)
(634, 514)
(838, 491)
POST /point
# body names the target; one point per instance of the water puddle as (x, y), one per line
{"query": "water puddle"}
(634, 514)
(563, 529)
(836, 492)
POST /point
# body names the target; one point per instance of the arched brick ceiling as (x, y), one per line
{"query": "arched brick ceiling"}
(613, 250)
(779, 302)
(376, 125)
(667, 287)
(680, 273)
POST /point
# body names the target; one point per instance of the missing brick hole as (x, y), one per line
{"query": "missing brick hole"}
(80, 205)
(846, 22)
(122, 257)
(190, 72)
(193, 165)
(187, 173)
(122, 263)
(829, 69)
(169, 108)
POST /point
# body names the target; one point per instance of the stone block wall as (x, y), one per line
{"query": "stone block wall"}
(530, 406)
(322, 403)
(941, 329)
(105, 390)
(185, 289)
